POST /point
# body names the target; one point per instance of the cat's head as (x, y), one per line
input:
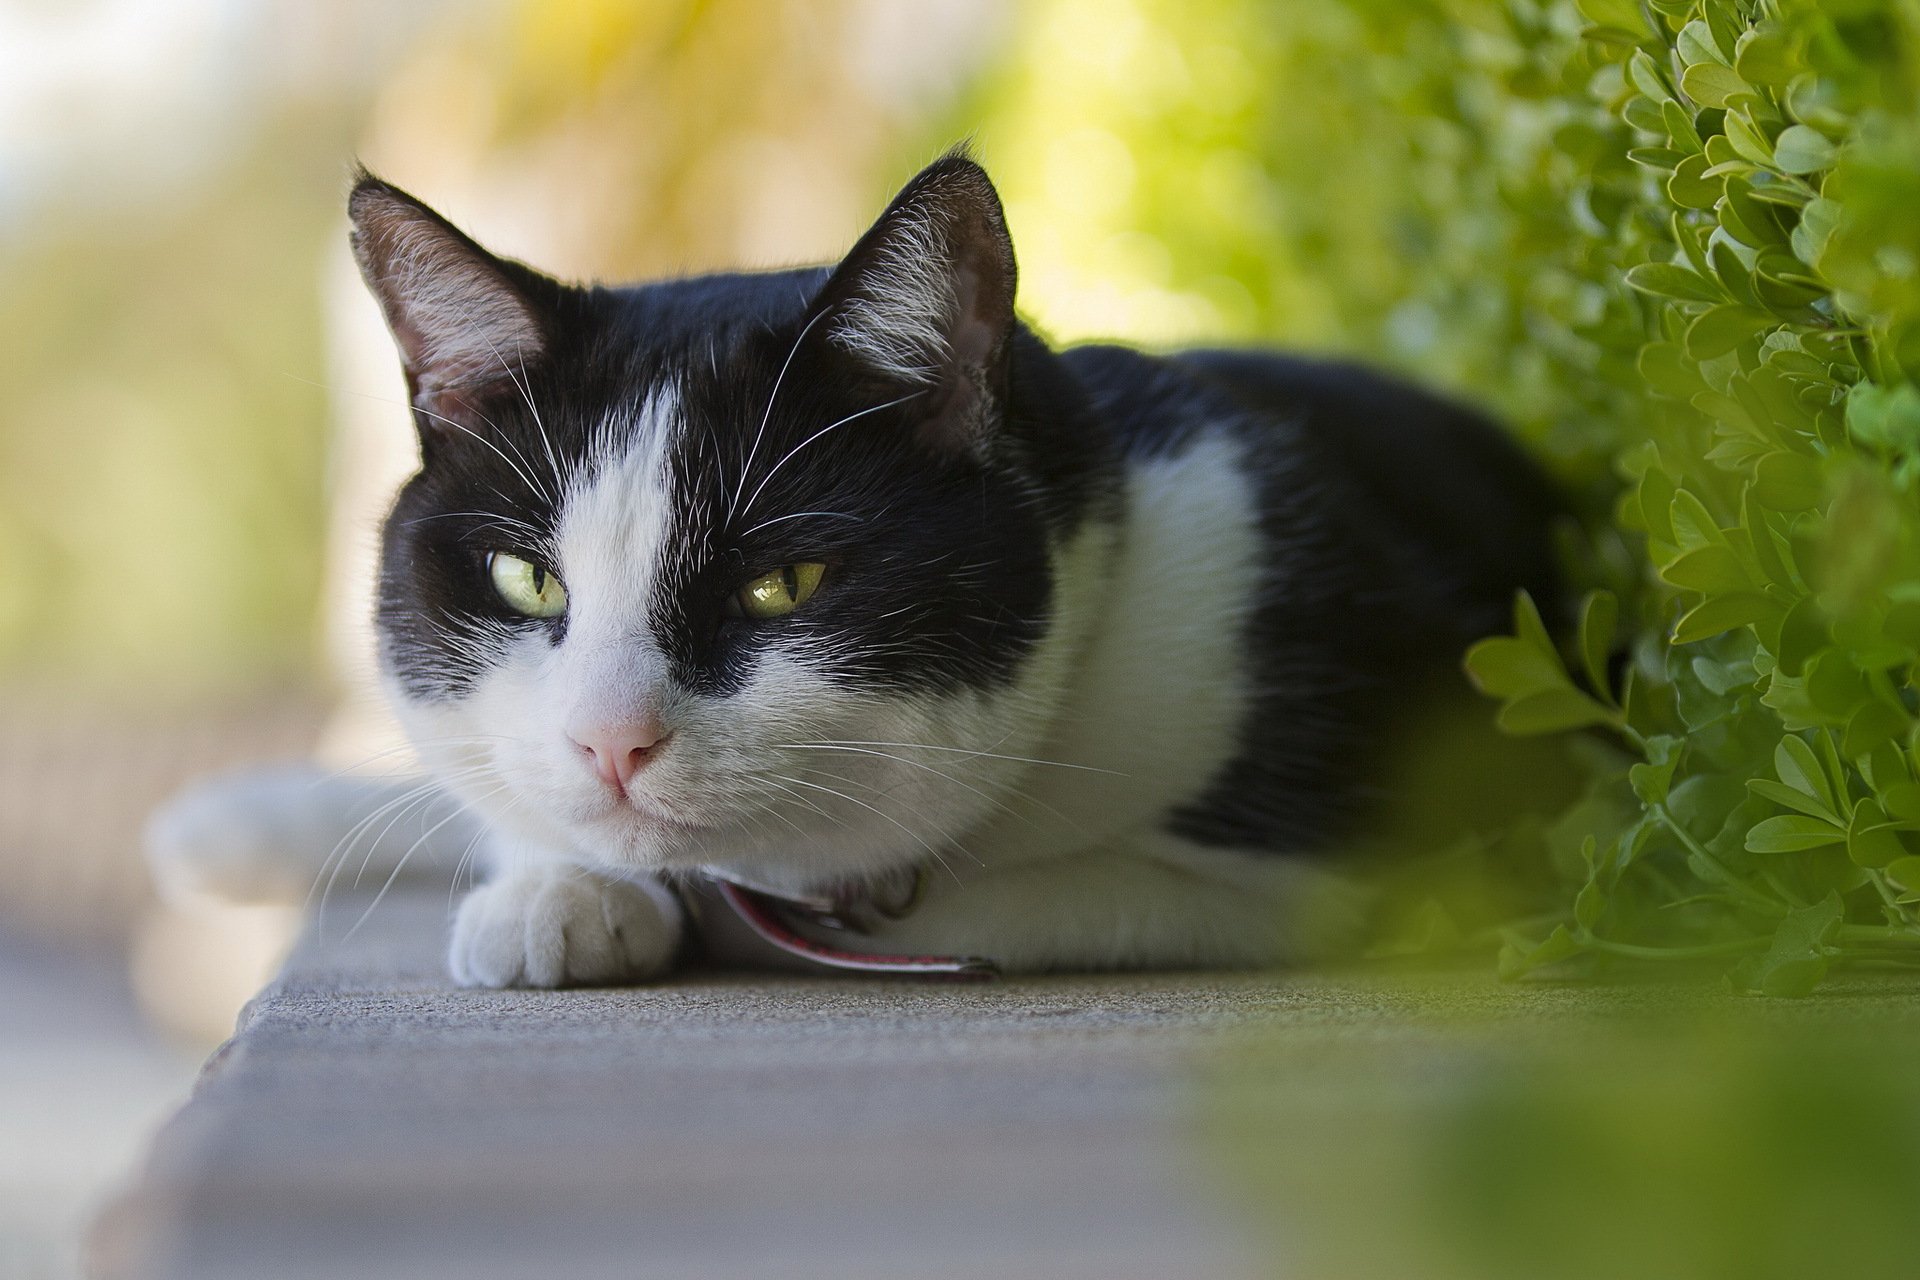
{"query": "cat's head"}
(760, 572)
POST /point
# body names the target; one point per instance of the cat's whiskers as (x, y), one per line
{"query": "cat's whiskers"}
(1016, 792)
(399, 807)
(493, 516)
(797, 798)
(335, 860)
(412, 745)
(968, 751)
(521, 385)
(399, 866)
(465, 861)
(913, 835)
(401, 404)
(801, 515)
(831, 426)
(753, 450)
(523, 472)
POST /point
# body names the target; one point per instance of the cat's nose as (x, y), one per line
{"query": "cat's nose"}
(618, 751)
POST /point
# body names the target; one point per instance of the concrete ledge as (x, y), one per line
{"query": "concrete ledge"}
(370, 1120)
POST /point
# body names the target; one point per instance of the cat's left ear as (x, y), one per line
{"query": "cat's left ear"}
(925, 299)
(463, 319)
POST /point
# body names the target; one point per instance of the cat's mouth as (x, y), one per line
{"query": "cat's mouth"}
(651, 813)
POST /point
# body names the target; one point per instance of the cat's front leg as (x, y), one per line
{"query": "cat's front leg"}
(543, 923)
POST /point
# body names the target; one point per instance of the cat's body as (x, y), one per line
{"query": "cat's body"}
(812, 578)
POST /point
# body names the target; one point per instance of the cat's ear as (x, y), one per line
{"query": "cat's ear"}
(462, 318)
(925, 299)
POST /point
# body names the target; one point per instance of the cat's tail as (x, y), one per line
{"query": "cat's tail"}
(296, 833)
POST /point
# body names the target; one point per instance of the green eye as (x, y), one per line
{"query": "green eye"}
(526, 587)
(777, 594)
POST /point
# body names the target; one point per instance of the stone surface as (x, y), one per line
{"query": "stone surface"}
(370, 1120)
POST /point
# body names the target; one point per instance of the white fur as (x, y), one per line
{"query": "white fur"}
(1040, 805)
(901, 321)
(556, 926)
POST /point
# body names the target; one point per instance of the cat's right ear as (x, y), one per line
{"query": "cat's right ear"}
(463, 322)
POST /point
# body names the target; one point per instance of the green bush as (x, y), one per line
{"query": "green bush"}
(1765, 257)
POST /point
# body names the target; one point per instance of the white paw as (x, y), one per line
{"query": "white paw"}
(563, 926)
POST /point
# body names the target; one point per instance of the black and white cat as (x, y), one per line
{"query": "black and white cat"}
(818, 578)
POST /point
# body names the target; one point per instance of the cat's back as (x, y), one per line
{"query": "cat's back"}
(1388, 528)
(1418, 484)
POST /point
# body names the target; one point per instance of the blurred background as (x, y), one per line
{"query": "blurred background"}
(200, 416)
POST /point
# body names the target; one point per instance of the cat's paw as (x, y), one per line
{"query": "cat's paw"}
(563, 926)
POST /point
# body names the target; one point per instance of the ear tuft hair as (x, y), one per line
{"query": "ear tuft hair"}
(455, 310)
(927, 293)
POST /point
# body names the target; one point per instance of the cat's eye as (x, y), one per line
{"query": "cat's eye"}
(525, 586)
(777, 594)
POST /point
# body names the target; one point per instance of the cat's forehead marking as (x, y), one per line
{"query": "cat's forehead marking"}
(614, 523)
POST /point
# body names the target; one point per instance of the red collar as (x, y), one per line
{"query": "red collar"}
(769, 915)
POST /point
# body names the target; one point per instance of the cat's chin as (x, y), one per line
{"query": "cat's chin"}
(646, 835)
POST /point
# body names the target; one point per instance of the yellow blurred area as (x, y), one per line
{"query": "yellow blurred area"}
(173, 313)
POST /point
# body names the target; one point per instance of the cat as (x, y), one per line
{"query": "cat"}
(829, 579)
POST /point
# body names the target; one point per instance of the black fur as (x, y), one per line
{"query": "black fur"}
(1403, 523)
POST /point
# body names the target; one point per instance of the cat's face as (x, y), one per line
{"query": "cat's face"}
(751, 572)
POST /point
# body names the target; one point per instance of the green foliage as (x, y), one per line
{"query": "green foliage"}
(1672, 241)
(1770, 257)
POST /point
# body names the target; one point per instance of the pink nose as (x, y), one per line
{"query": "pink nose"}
(619, 751)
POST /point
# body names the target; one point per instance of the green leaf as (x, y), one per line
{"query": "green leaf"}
(1645, 75)
(1588, 905)
(1789, 798)
(1695, 44)
(1657, 494)
(1722, 613)
(1766, 553)
(1518, 959)
(1551, 711)
(1528, 626)
(1714, 569)
(1664, 280)
(1599, 615)
(1814, 230)
(1668, 371)
(1872, 724)
(1653, 779)
(1796, 766)
(1905, 872)
(1872, 841)
(1765, 55)
(1834, 685)
(1803, 634)
(1793, 833)
(1680, 127)
(1724, 329)
(1885, 417)
(1748, 220)
(1693, 525)
(1746, 140)
(1799, 149)
(1691, 187)
(1620, 15)
(1507, 667)
(1789, 482)
(1797, 959)
(1902, 801)
(1710, 84)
